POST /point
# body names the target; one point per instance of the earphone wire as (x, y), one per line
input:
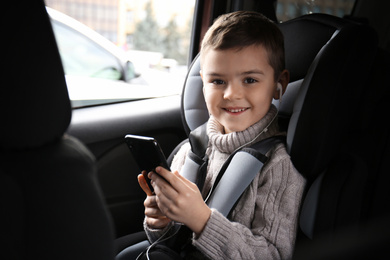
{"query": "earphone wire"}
(159, 240)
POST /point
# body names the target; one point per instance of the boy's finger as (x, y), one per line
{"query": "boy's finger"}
(167, 175)
(144, 185)
(174, 179)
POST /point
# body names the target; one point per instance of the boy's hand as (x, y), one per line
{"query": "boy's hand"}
(179, 199)
(154, 217)
(142, 182)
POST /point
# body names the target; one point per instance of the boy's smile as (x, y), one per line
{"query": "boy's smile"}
(236, 110)
(238, 86)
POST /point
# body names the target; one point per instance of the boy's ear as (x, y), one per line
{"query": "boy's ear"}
(284, 79)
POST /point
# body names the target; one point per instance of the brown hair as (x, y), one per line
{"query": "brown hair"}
(241, 29)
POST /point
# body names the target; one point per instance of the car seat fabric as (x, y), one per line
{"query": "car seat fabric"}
(332, 90)
(52, 204)
(50, 201)
(356, 183)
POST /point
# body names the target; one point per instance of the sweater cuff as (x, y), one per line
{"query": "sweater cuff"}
(155, 234)
(213, 236)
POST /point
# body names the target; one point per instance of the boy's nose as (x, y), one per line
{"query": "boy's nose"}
(233, 91)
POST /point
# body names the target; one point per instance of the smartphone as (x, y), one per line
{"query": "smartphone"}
(147, 153)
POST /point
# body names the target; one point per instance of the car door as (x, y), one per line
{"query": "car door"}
(102, 129)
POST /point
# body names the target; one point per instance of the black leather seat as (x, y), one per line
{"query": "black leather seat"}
(50, 202)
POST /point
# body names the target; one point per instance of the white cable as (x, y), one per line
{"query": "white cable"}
(160, 240)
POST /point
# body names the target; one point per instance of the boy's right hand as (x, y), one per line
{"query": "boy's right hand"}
(154, 217)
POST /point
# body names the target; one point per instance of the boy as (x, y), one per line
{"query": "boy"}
(242, 68)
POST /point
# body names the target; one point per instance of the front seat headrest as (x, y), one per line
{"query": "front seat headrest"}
(38, 113)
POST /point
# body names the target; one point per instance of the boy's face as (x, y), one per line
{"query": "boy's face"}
(238, 86)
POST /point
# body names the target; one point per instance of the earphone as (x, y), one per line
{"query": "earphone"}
(280, 89)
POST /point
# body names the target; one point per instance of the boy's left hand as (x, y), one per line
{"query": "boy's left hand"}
(143, 183)
(180, 199)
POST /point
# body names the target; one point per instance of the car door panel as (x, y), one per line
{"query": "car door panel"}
(102, 130)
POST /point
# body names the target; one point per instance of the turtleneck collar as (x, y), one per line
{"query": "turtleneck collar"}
(228, 143)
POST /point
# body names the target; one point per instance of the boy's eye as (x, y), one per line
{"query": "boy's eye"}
(250, 81)
(217, 82)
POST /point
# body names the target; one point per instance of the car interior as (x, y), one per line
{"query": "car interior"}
(69, 185)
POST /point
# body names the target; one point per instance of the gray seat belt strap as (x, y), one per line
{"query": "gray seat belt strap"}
(195, 166)
(242, 168)
(236, 174)
(241, 171)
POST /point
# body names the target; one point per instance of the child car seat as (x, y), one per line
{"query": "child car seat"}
(324, 55)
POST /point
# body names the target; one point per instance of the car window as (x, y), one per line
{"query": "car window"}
(289, 9)
(146, 56)
(81, 57)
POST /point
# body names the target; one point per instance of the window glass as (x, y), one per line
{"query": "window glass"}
(144, 52)
(289, 9)
(81, 57)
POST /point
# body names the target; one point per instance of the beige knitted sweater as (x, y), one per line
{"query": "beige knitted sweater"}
(263, 224)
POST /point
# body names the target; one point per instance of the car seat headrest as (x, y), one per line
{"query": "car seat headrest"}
(303, 40)
(35, 106)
